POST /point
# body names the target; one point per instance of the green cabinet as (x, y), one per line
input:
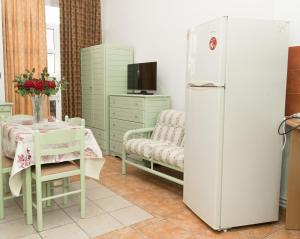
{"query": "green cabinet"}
(103, 72)
(129, 111)
(5, 110)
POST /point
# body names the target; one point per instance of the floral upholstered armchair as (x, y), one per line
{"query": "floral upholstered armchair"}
(163, 146)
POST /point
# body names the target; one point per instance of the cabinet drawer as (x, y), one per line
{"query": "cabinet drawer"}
(127, 114)
(124, 125)
(5, 108)
(127, 102)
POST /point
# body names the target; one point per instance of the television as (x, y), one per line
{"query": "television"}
(141, 77)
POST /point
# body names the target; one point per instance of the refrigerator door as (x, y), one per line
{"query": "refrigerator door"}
(203, 152)
(207, 52)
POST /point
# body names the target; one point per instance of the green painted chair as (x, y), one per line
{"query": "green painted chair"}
(75, 121)
(49, 172)
(5, 169)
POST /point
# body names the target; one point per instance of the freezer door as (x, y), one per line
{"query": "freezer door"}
(203, 152)
(207, 52)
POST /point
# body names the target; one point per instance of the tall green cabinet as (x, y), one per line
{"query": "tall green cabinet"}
(103, 72)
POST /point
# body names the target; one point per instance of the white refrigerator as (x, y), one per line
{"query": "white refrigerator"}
(235, 99)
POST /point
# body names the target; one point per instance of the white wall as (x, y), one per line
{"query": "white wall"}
(157, 31)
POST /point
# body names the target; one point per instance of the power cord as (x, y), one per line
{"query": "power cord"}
(283, 125)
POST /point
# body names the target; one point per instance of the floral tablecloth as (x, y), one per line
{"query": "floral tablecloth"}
(17, 143)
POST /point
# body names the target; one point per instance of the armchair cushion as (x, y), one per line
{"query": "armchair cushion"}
(169, 127)
(141, 146)
(169, 154)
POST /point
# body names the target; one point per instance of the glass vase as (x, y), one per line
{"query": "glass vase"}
(37, 108)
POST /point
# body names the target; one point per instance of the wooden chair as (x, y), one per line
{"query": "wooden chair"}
(75, 121)
(50, 172)
(5, 169)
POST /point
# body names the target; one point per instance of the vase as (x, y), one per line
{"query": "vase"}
(37, 108)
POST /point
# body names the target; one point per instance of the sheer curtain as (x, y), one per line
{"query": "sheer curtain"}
(80, 26)
(24, 46)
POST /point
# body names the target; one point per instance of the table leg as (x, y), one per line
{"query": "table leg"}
(293, 196)
(28, 195)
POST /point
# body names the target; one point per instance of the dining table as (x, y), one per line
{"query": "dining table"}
(17, 144)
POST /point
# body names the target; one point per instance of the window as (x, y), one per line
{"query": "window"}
(53, 57)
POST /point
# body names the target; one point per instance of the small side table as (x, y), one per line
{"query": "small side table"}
(293, 194)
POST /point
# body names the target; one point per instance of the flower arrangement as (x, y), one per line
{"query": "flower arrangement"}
(26, 84)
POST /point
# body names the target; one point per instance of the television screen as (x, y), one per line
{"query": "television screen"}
(142, 76)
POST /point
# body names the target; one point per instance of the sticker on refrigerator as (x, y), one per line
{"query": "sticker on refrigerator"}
(213, 43)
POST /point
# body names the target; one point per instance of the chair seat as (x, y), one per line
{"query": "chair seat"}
(7, 162)
(55, 168)
(141, 146)
(168, 154)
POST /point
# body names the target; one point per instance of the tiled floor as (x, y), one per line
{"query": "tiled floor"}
(105, 212)
(171, 218)
(136, 206)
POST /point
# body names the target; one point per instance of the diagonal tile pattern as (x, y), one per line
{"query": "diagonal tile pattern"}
(136, 206)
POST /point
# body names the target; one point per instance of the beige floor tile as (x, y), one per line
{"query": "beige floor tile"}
(91, 210)
(131, 215)
(12, 213)
(89, 184)
(72, 200)
(67, 231)
(53, 219)
(32, 236)
(15, 229)
(10, 203)
(99, 225)
(113, 203)
(99, 192)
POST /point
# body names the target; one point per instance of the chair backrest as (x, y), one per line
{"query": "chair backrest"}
(170, 127)
(75, 121)
(58, 142)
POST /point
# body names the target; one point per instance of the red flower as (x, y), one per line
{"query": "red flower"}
(50, 84)
(39, 85)
(28, 84)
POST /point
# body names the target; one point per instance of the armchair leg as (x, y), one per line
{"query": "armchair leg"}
(66, 189)
(1, 196)
(124, 163)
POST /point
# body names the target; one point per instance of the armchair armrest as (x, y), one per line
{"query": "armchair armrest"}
(136, 131)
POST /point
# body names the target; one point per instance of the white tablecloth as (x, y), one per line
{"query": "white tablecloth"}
(17, 144)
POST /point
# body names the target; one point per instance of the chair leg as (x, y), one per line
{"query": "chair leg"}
(66, 189)
(27, 196)
(1, 196)
(124, 163)
(39, 205)
(82, 194)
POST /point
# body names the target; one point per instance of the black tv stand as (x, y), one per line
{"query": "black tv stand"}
(143, 92)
